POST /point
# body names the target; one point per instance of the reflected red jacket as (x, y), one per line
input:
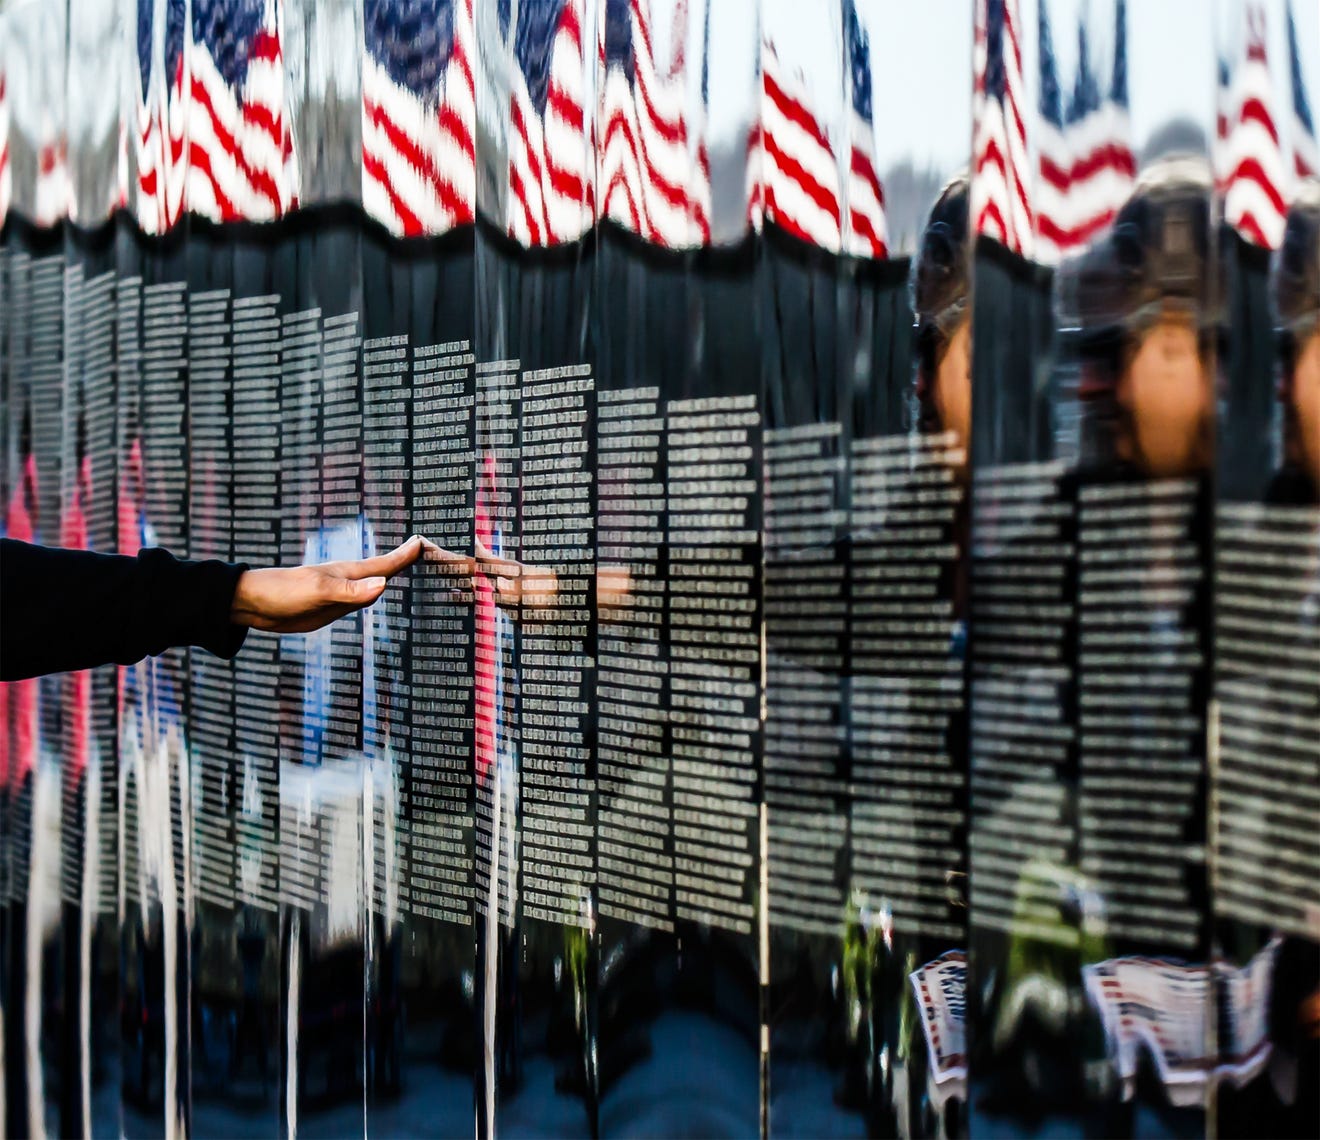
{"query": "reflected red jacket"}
(62, 610)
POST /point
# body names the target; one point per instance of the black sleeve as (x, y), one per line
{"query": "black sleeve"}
(62, 610)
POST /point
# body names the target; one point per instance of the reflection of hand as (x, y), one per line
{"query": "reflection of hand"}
(613, 588)
(300, 599)
(458, 567)
(517, 585)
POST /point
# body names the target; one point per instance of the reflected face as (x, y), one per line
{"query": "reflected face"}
(953, 385)
(1165, 390)
(1304, 397)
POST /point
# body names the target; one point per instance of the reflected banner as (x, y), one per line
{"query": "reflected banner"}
(870, 681)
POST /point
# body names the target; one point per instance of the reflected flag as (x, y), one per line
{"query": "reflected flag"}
(654, 165)
(419, 157)
(1001, 205)
(159, 137)
(1223, 113)
(6, 175)
(798, 164)
(1306, 149)
(1255, 174)
(54, 191)
(240, 140)
(754, 166)
(865, 233)
(1087, 167)
(551, 186)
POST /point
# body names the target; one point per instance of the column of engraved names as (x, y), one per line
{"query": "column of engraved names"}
(634, 853)
(1267, 664)
(46, 385)
(45, 367)
(211, 711)
(102, 525)
(128, 367)
(440, 864)
(386, 715)
(1140, 664)
(496, 704)
(165, 476)
(164, 396)
(300, 512)
(341, 507)
(1021, 729)
(17, 837)
(715, 655)
(557, 655)
(73, 689)
(256, 420)
(908, 809)
(806, 613)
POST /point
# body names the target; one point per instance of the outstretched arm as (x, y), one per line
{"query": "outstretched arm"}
(300, 599)
(62, 610)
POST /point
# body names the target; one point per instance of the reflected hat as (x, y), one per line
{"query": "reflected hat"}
(938, 286)
(1295, 270)
(1152, 259)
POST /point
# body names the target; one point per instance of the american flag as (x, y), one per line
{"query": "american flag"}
(654, 164)
(797, 162)
(551, 187)
(1255, 174)
(1306, 149)
(1087, 167)
(240, 139)
(1001, 205)
(6, 175)
(754, 169)
(419, 156)
(159, 142)
(1223, 113)
(54, 190)
(865, 234)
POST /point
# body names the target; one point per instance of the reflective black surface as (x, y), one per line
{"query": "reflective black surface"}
(867, 686)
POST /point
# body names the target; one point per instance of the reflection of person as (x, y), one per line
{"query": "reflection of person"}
(1294, 993)
(65, 609)
(1140, 295)
(944, 327)
(1295, 289)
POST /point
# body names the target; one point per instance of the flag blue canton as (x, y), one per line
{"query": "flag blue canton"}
(412, 40)
(859, 60)
(995, 79)
(1118, 90)
(226, 28)
(145, 11)
(619, 37)
(176, 23)
(538, 20)
(1301, 106)
(705, 61)
(1051, 98)
(175, 14)
(1086, 91)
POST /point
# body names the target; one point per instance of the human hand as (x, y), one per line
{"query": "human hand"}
(300, 599)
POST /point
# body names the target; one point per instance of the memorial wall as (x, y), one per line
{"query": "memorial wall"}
(887, 437)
